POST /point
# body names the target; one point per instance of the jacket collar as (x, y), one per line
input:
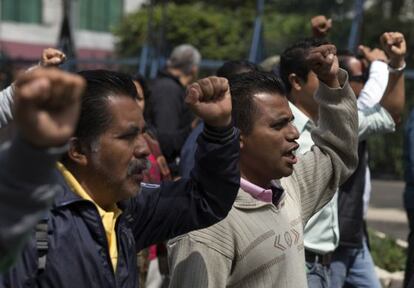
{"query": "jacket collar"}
(165, 73)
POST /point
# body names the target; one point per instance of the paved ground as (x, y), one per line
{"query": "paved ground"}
(386, 213)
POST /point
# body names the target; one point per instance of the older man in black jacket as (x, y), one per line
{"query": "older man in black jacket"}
(166, 109)
(98, 222)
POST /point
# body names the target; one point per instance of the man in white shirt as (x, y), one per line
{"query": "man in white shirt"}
(322, 230)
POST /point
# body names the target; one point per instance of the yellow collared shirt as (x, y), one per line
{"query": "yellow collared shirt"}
(108, 217)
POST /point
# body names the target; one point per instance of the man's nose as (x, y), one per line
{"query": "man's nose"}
(141, 148)
(293, 132)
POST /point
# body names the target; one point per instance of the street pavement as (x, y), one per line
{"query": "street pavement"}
(386, 213)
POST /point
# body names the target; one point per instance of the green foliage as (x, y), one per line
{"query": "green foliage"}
(218, 34)
(386, 253)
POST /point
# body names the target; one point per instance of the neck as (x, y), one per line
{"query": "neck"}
(255, 179)
(184, 79)
(94, 187)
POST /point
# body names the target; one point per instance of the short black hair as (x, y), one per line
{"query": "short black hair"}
(293, 60)
(94, 117)
(232, 68)
(244, 88)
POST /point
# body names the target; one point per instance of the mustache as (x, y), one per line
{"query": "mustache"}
(138, 166)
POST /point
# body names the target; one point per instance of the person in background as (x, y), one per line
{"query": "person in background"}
(167, 111)
(228, 70)
(322, 231)
(149, 258)
(409, 196)
(50, 58)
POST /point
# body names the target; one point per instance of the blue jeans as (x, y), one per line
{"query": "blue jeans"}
(353, 267)
(318, 276)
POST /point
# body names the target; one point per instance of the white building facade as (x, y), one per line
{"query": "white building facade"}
(29, 26)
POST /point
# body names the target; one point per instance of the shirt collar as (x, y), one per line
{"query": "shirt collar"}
(256, 191)
(78, 190)
(302, 122)
(270, 195)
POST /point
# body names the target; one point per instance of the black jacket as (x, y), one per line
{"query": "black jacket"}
(351, 204)
(78, 250)
(170, 116)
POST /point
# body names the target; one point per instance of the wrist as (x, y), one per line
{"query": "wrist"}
(219, 123)
(396, 67)
(397, 63)
(332, 82)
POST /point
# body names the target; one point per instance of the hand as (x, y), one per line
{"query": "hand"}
(52, 57)
(372, 54)
(320, 26)
(324, 62)
(395, 47)
(210, 99)
(47, 106)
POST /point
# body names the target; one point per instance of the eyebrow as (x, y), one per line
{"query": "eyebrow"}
(133, 129)
(283, 119)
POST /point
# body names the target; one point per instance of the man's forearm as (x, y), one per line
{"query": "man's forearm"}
(26, 191)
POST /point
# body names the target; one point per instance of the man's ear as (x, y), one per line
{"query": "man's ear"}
(77, 152)
(295, 82)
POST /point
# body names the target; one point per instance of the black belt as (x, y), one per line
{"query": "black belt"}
(324, 260)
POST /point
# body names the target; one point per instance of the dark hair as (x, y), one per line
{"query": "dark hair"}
(231, 68)
(94, 117)
(344, 58)
(293, 58)
(244, 88)
(145, 89)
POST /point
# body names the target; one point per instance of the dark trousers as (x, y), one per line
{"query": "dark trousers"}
(409, 266)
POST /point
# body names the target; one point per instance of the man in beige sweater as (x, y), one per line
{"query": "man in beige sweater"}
(260, 243)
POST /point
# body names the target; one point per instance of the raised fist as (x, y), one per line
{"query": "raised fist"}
(52, 57)
(209, 98)
(395, 47)
(324, 62)
(47, 104)
(320, 26)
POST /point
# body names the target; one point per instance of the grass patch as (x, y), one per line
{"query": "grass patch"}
(386, 253)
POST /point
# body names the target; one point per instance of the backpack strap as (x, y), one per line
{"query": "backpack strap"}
(42, 244)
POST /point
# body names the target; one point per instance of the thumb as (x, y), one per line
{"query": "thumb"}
(192, 95)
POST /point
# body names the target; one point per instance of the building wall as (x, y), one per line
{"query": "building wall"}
(22, 40)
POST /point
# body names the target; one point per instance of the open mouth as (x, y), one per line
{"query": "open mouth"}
(290, 155)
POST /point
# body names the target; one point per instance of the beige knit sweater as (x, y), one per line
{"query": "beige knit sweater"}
(261, 245)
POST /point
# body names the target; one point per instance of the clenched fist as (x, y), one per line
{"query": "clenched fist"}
(210, 99)
(324, 62)
(52, 57)
(320, 26)
(395, 47)
(47, 105)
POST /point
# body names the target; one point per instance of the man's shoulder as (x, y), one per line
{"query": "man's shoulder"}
(220, 237)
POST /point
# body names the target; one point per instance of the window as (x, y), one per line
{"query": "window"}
(99, 15)
(21, 11)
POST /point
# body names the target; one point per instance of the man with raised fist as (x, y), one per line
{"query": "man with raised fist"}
(104, 214)
(260, 243)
